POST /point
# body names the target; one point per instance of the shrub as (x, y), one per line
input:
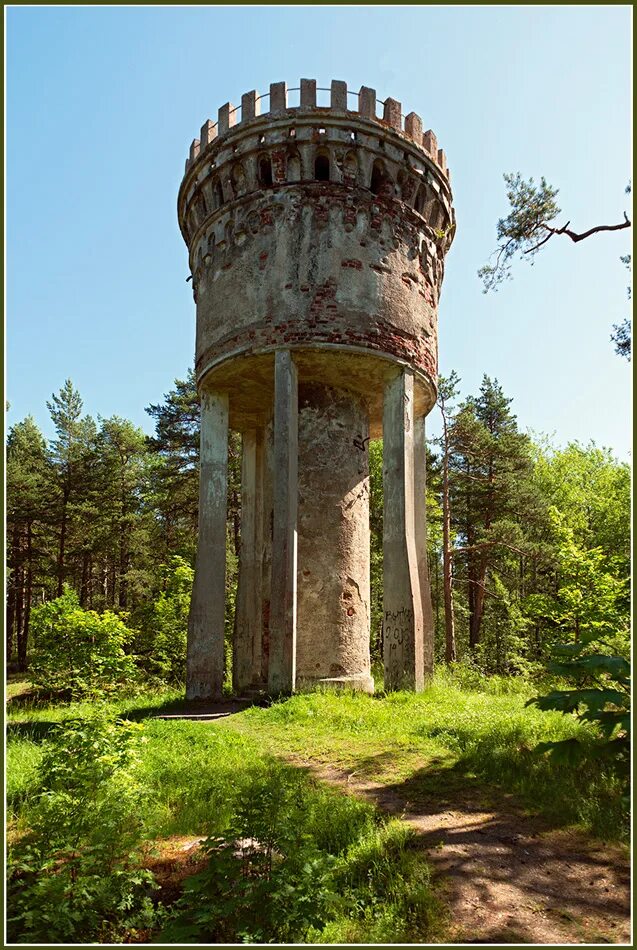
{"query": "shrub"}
(600, 696)
(74, 876)
(79, 652)
(266, 879)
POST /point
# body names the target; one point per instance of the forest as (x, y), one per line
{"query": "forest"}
(529, 561)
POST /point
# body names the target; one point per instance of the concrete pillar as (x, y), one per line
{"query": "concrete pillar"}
(420, 534)
(282, 646)
(246, 657)
(205, 654)
(402, 603)
(333, 549)
(266, 548)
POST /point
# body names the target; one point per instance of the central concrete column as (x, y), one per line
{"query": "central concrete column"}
(282, 633)
(205, 653)
(246, 658)
(402, 599)
(333, 569)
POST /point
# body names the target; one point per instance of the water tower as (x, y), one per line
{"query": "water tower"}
(317, 235)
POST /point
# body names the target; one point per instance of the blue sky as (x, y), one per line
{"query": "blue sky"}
(102, 104)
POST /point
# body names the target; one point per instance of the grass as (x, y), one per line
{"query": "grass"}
(444, 741)
(450, 741)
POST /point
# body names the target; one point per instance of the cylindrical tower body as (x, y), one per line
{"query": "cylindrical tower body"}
(317, 236)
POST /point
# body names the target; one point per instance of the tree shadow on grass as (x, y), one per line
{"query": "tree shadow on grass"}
(32, 699)
(37, 731)
(180, 709)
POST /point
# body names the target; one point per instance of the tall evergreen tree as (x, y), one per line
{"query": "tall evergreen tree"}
(447, 392)
(490, 492)
(28, 500)
(122, 451)
(70, 455)
(174, 477)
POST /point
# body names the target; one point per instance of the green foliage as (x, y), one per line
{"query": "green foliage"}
(504, 643)
(266, 880)
(601, 697)
(533, 207)
(296, 862)
(591, 490)
(161, 640)
(74, 876)
(587, 602)
(622, 332)
(79, 652)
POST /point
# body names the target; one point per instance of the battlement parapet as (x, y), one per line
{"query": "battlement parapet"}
(282, 101)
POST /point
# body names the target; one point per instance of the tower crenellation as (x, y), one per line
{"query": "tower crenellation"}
(363, 103)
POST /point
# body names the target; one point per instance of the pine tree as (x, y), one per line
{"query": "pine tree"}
(28, 499)
(447, 392)
(70, 454)
(491, 494)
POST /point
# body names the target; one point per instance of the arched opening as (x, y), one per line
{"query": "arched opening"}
(381, 182)
(350, 169)
(217, 195)
(238, 180)
(322, 167)
(420, 200)
(265, 172)
(294, 166)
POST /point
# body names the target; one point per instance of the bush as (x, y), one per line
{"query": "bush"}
(79, 652)
(164, 626)
(74, 876)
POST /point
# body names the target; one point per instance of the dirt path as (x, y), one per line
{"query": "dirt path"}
(507, 877)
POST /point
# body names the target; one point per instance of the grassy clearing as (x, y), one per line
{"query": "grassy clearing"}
(226, 782)
(444, 741)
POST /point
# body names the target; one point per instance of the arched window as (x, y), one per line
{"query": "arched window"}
(217, 195)
(381, 182)
(265, 172)
(322, 167)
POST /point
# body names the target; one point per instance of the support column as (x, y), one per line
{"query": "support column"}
(266, 548)
(246, 658)
(205, 655)
(420, 534)
(402, 603)
(282, 646)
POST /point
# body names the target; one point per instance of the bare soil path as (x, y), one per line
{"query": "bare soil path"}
(507, 877)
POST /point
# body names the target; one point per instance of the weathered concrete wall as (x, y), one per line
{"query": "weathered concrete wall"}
(333, 550)
(372, 287)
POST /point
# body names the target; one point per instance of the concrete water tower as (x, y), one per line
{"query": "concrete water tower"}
(317, 236)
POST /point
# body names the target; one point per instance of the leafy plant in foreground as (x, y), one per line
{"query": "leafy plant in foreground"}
(266, 880)
(601, 697)
(74, 876)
